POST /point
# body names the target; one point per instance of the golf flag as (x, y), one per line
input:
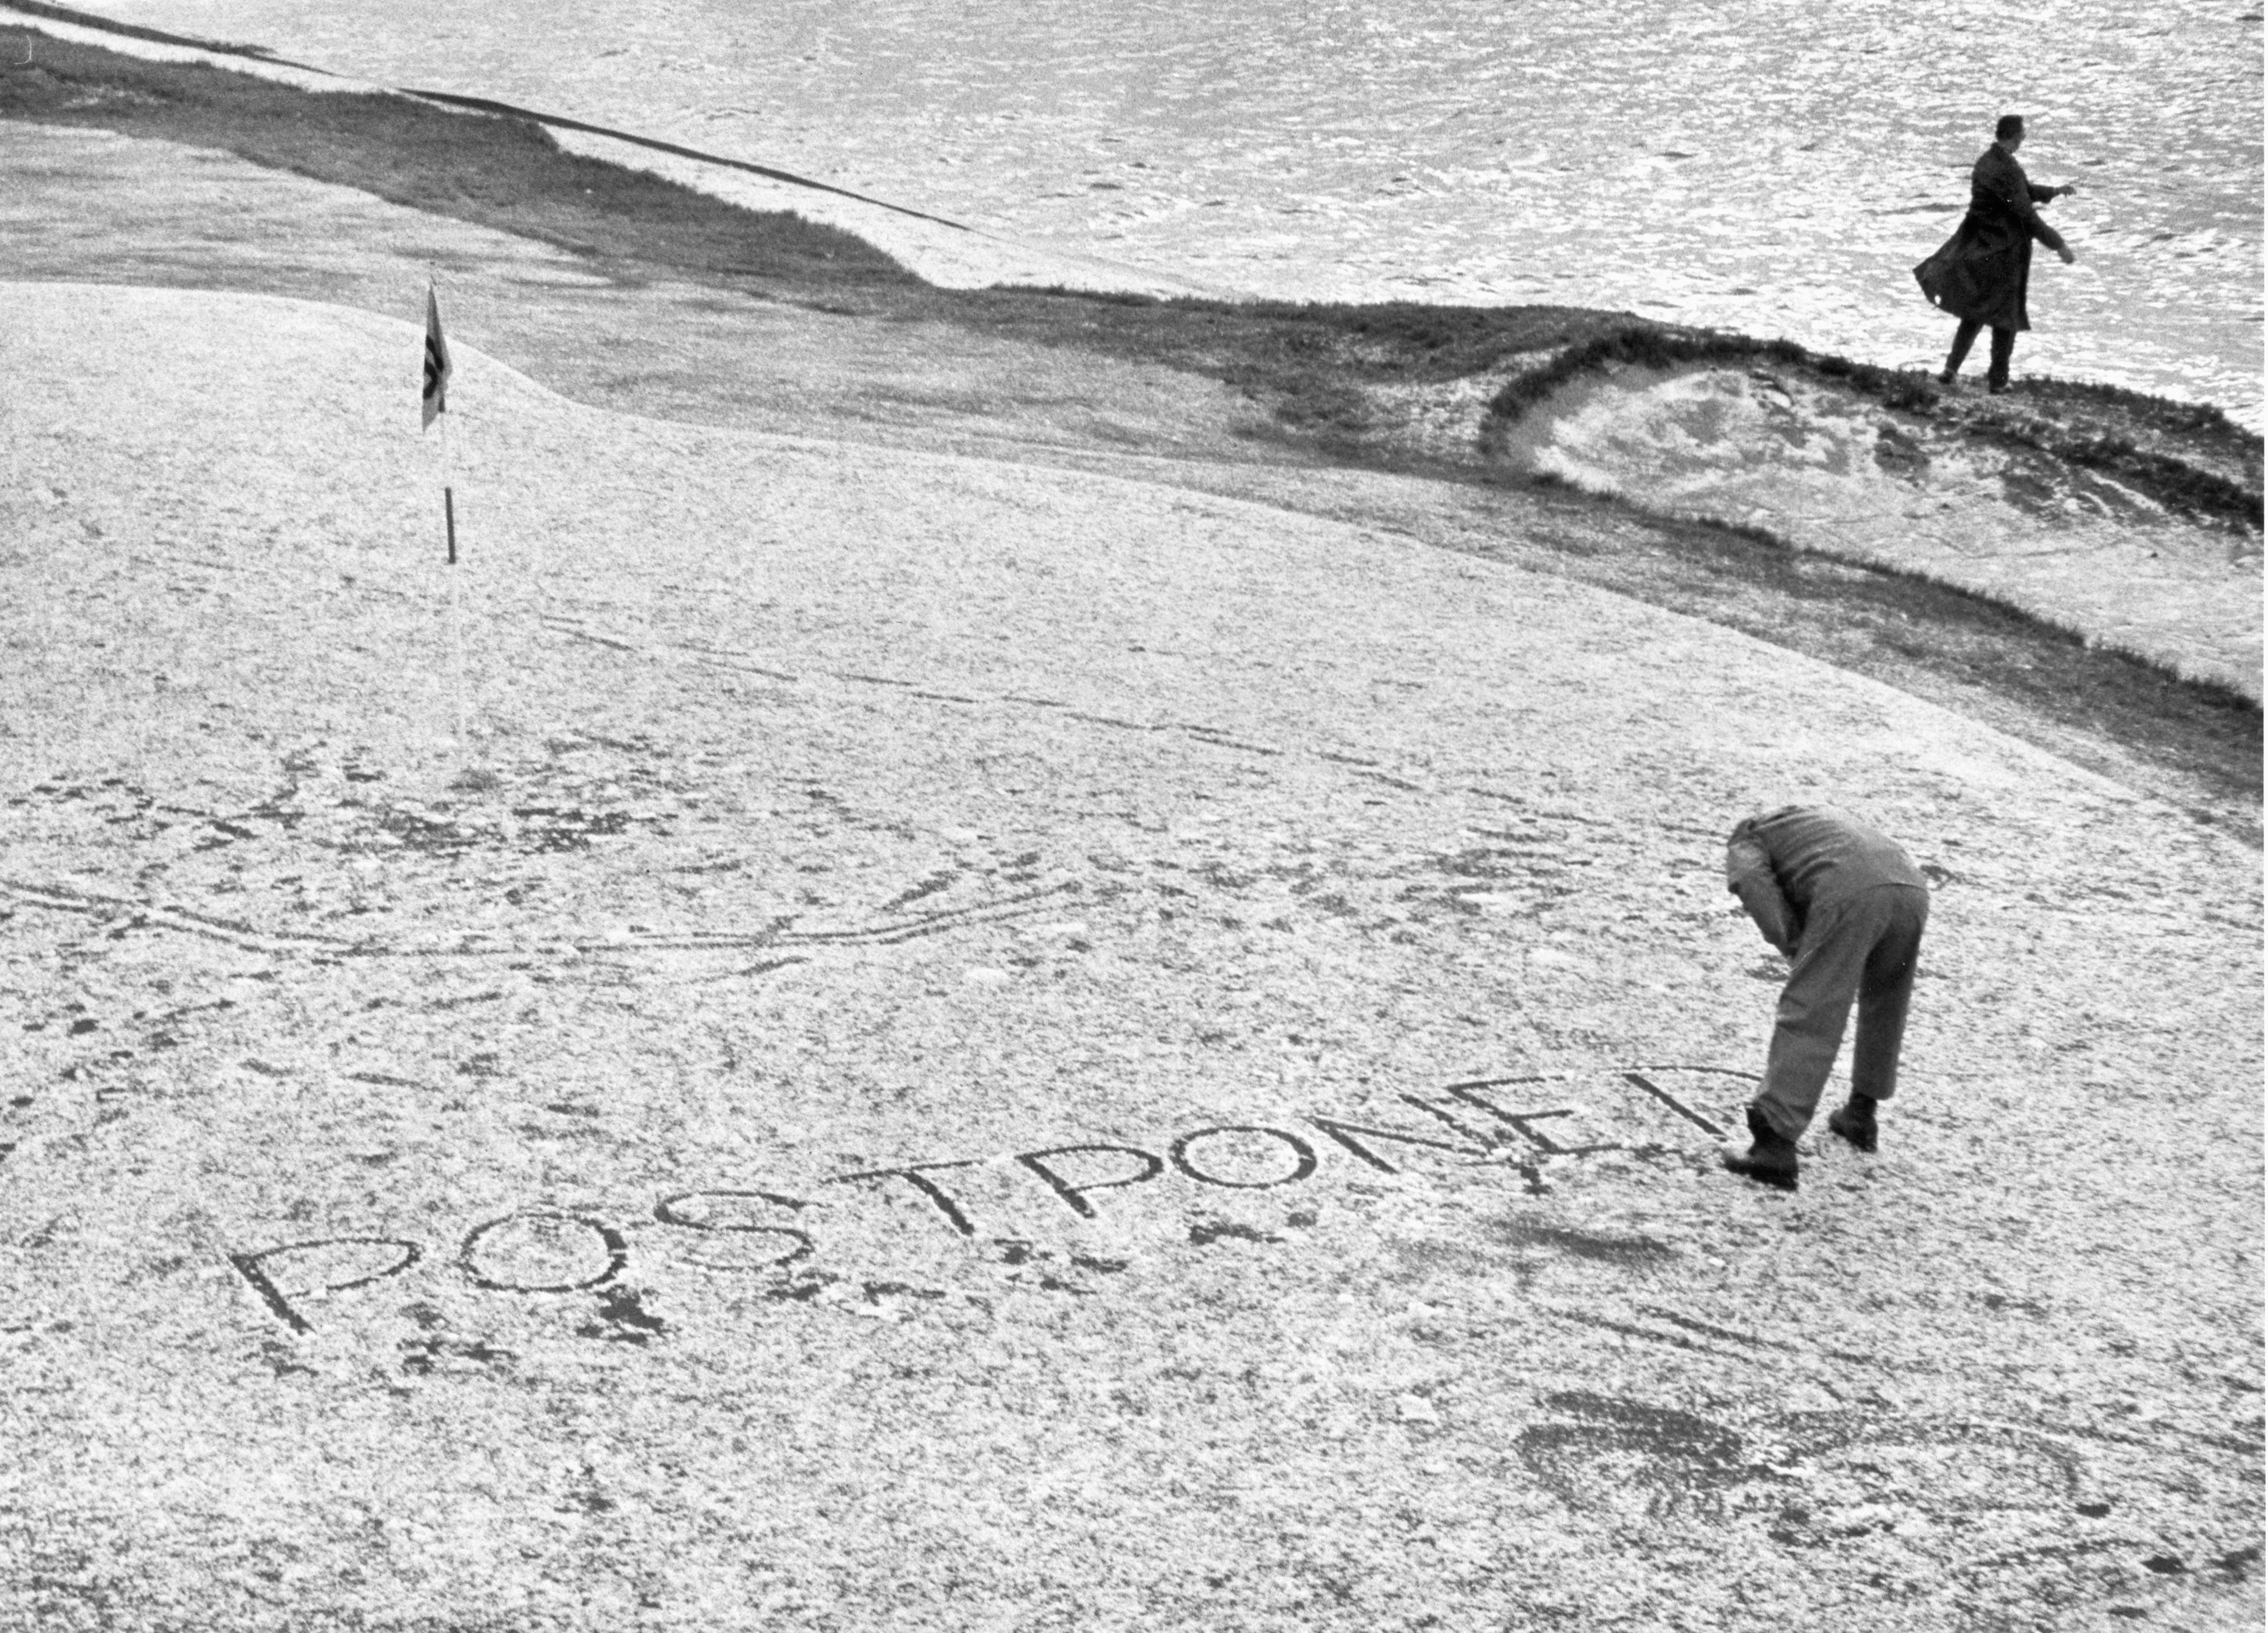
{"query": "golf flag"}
(437, 361)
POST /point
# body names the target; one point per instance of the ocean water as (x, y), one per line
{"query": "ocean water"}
(1775, 167)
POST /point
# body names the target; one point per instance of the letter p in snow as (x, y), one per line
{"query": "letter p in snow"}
(1075, 1194)
(330, 1264)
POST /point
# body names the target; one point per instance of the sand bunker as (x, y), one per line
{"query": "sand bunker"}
(818, 1037)
(1831, 471)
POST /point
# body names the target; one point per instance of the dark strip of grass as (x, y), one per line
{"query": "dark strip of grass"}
(1283, 346)
(508, 174)
(500, 173)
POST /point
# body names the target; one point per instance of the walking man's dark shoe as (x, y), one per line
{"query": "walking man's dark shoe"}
(1769, 1160)
(1855, 1122)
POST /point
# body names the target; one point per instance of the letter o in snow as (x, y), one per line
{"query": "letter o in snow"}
(1304, 1155)
(546, 1236)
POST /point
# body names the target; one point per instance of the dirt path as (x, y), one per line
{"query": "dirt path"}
(882, 1039)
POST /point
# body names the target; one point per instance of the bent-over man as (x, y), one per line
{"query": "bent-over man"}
(1847, 905)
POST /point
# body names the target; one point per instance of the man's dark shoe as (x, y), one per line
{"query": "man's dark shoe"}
(1855, 1122)
(1769, 1160)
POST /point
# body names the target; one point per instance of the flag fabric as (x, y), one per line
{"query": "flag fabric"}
(437, 361)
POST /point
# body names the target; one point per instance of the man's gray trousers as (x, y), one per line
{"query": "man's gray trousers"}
(1862, 946)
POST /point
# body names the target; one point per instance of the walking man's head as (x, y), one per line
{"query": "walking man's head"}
(2009, 133)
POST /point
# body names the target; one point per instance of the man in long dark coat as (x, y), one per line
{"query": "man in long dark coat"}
(1980, 274)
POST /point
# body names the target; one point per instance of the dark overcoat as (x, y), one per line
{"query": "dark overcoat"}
(1982, 271)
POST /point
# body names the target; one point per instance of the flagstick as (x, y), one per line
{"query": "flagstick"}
(456, 615)
(435, 406)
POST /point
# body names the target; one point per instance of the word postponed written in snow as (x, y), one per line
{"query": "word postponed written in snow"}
(291, 1273)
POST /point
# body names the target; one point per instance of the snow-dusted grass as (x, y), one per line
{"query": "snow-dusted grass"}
(750, 813)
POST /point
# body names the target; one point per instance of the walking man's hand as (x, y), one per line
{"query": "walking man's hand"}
(2067, 256)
